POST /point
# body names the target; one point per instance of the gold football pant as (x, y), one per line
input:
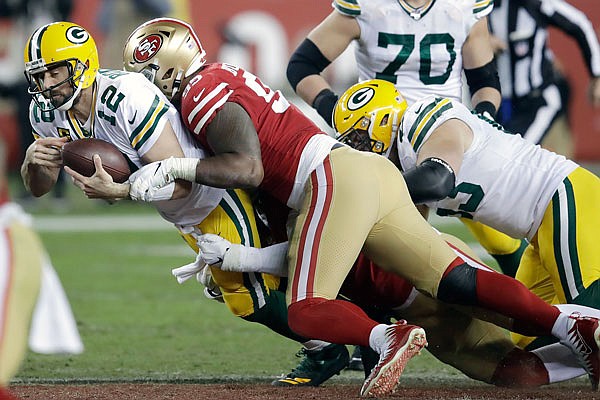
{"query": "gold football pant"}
(562, 263)
(21, 258)
(359, 201)
(507, 251)
(234, 220)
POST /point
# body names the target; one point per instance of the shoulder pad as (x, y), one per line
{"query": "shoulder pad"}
(424, 117)
(350, 8)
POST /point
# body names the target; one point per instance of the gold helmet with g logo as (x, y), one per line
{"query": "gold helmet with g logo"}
(367, 115)
(166, 51)
(60, 44)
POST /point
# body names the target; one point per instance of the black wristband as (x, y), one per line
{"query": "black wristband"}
(486, 107)
(324, 103)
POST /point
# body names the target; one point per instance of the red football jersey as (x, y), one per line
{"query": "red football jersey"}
(283, 130)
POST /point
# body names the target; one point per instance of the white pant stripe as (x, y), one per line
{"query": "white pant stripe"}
(310, 242)
(564, 240)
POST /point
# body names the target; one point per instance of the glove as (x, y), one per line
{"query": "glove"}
(213, 248)
(148, 180)
(211, 289)
(203, 275)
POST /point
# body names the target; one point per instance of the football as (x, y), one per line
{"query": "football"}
(78, 155)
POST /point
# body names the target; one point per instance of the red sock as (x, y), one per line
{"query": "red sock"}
(520, 369)
(335, 321)
(532, 315)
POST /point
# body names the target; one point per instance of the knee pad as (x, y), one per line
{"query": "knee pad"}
(459, 286)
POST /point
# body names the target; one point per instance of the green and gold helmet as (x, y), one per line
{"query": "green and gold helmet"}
(60, 44)
(367, 115)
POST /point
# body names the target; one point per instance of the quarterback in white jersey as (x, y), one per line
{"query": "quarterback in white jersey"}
(143, 112)
(463, 164)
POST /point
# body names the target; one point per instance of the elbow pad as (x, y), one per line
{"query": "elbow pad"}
(306, 60)
(431, 180)
(484, 76)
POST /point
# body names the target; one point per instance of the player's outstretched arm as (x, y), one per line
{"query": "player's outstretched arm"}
(219, 252)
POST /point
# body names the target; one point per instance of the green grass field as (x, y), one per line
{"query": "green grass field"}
(138, 323)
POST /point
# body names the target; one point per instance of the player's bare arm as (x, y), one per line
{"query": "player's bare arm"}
(447, 142)
(167, 146)
(478, 53)
(331, 37)
(438, 162)
(237, 162)
(42, 164)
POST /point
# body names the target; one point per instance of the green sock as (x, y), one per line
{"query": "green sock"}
(509, 263)
(274, 315)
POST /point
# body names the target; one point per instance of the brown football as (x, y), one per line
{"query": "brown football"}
(78, 155)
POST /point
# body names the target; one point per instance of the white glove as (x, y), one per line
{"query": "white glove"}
(148, 180)
(211, 289)
(201, 271)
(213, 248)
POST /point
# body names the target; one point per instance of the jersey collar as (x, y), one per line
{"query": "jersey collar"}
(85, 130)
(418, 12)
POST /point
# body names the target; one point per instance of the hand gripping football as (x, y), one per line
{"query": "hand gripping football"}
(78, 155)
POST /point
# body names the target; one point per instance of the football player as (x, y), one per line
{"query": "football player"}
(422, 47)
(73, 98)
(463, 164)
(346, 201)
(22, 256)
(479, 349)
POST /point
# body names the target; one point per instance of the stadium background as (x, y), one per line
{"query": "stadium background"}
(137, 324)
(261, 34)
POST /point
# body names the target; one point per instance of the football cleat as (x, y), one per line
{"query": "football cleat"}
(316, 366)
(402, 342)
(583, 338)
(356, 363)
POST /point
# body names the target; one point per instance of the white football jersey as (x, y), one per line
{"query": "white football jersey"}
(130, 112)
(419, 52)
(504, 181)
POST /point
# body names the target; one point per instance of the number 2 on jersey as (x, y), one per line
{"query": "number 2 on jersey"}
(407, 45)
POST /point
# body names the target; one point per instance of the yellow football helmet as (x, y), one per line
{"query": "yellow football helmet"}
(60, 44)
(166, 51)
(367, 115)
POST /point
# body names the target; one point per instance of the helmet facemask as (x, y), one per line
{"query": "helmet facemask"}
(361, 135)
(43, 96)
(368, 115)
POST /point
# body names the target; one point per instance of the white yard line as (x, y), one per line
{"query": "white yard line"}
(98, 223)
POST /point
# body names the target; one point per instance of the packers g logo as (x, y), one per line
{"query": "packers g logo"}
(147, 48)
(361, 97)
(77, 35)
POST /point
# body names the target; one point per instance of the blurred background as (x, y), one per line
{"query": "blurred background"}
(258, 35)
(115, 262)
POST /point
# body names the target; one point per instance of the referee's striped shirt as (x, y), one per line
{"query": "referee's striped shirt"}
(527, 63)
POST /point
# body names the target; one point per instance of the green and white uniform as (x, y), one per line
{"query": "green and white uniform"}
(522, 190)
(130, 112)
(419, 52)
(504, 182)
